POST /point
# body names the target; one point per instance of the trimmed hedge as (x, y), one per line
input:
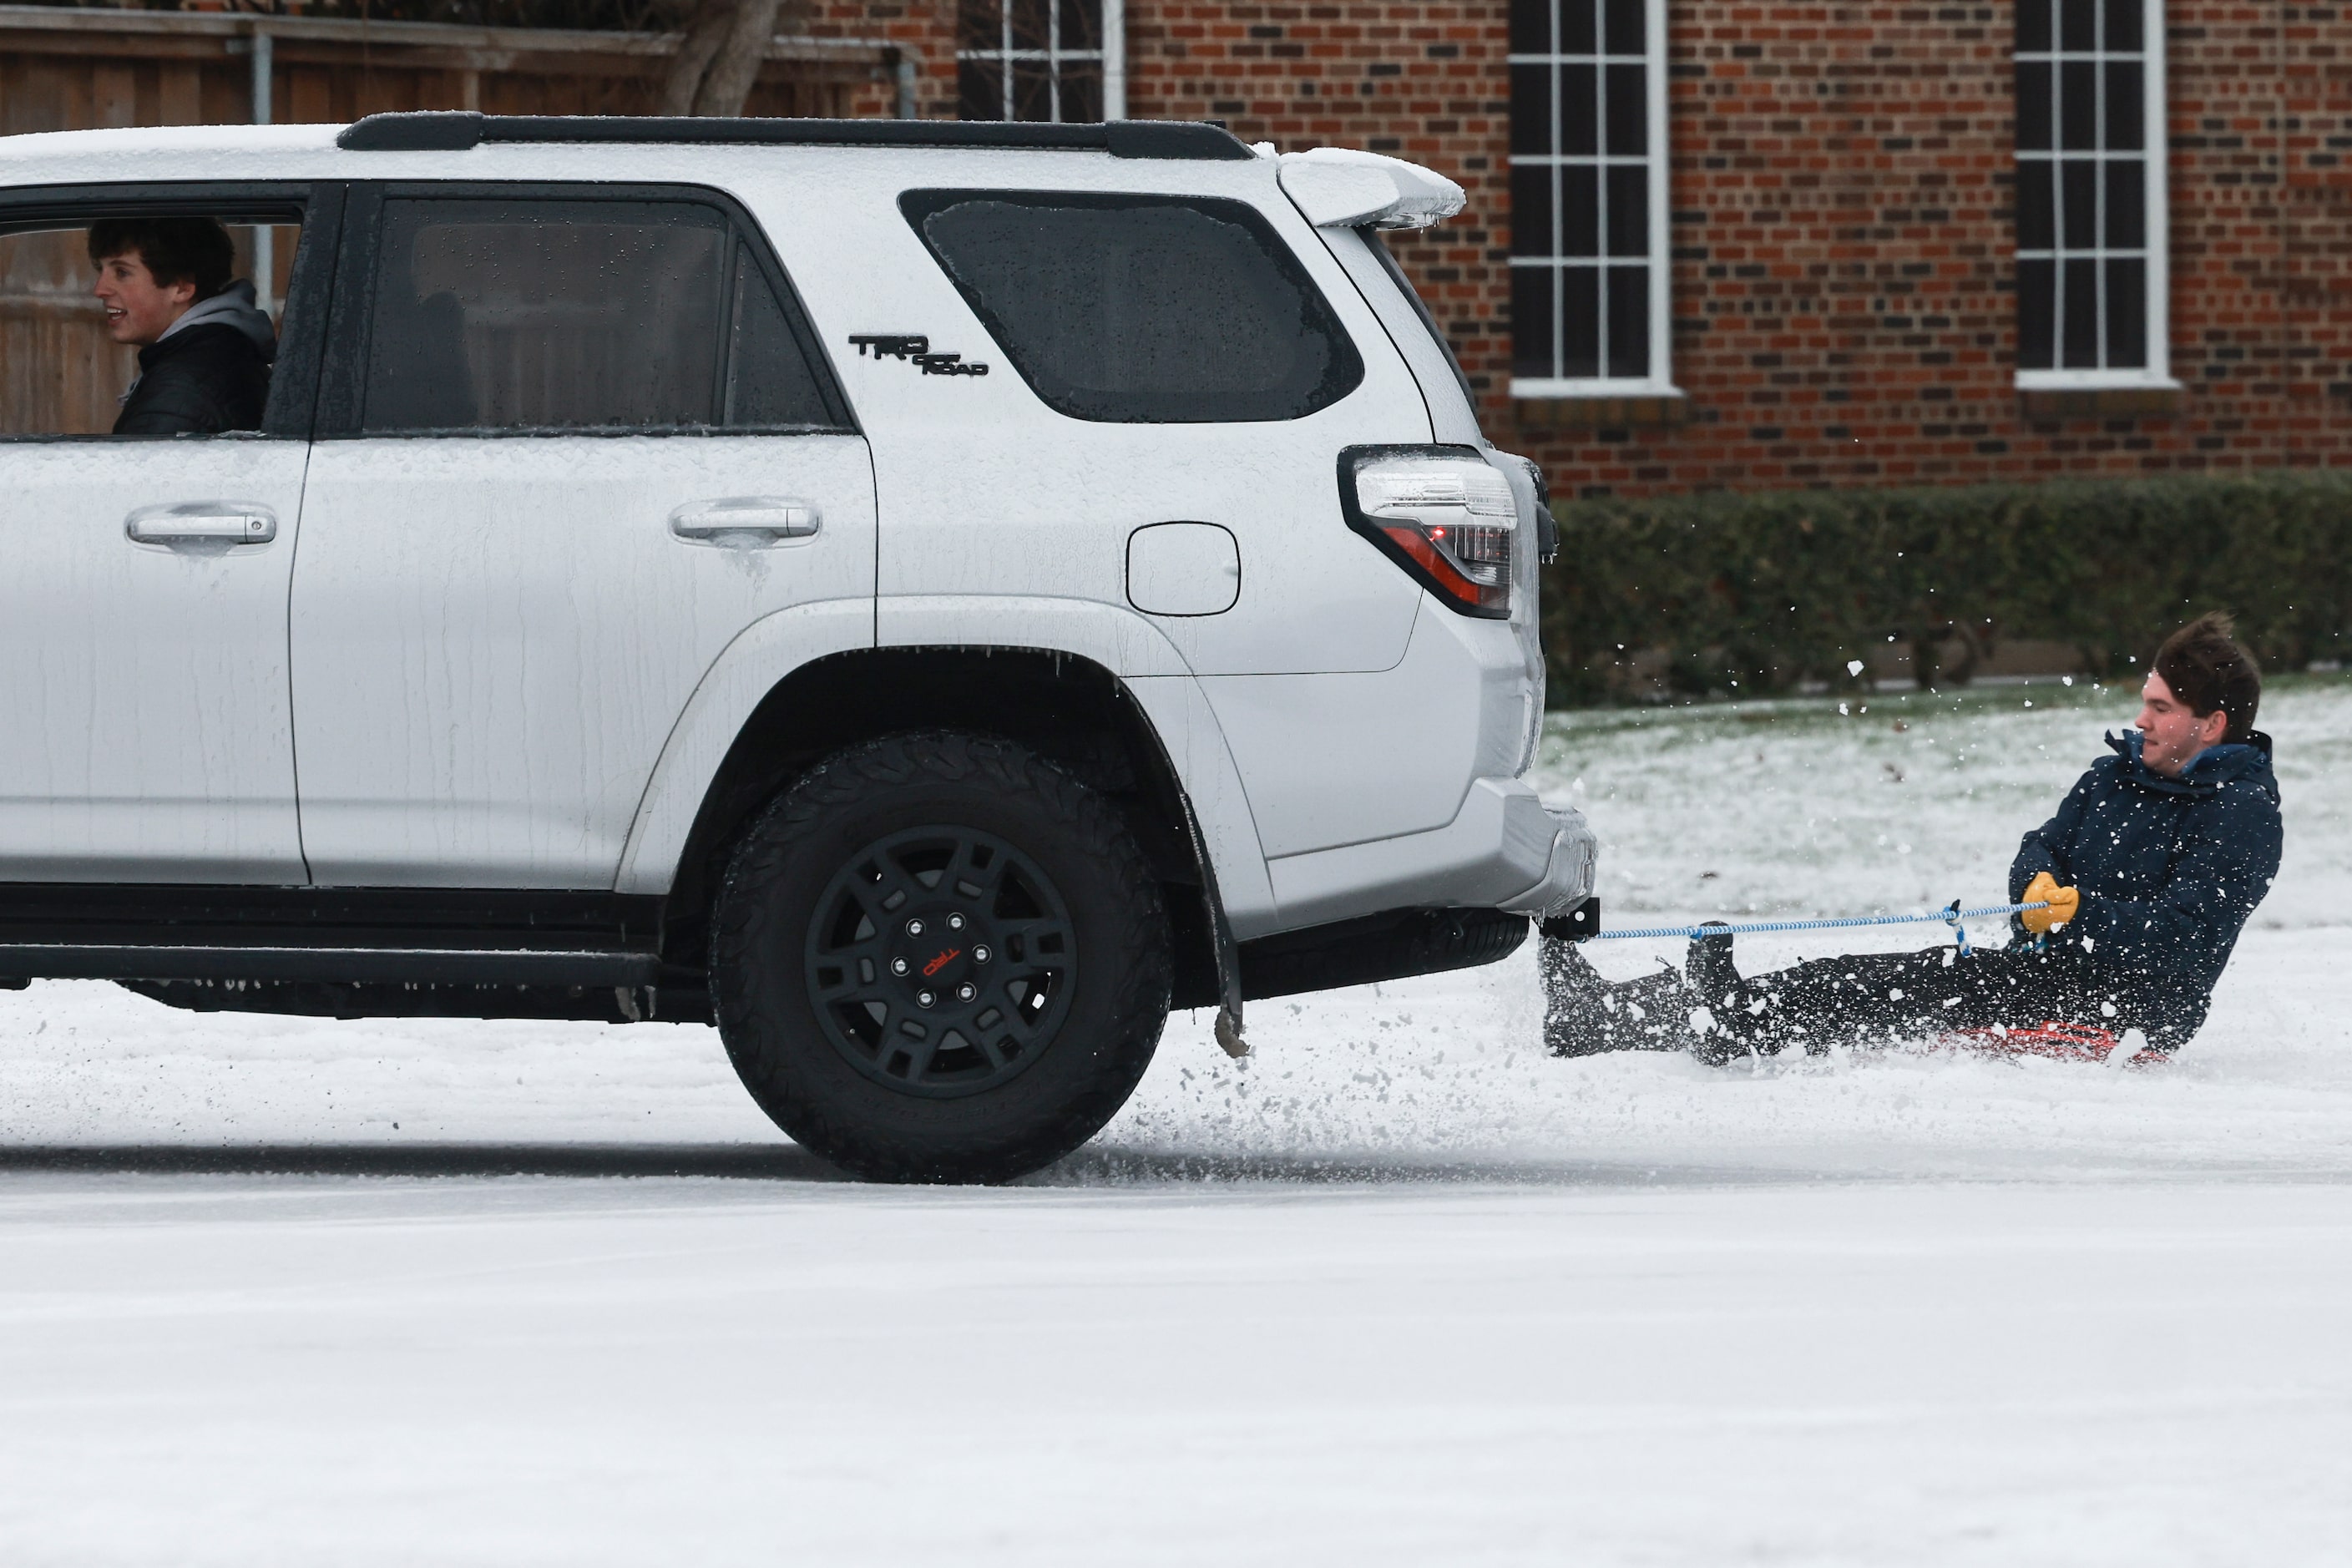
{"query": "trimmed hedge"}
(1769, 590)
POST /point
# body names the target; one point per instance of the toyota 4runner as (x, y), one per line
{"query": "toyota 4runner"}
(926, 598)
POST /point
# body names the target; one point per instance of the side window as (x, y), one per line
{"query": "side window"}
(142, 324)
(1142, 310)
(526, 315)
(769, 384)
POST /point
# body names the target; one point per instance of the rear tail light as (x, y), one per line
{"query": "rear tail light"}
(1441, 512)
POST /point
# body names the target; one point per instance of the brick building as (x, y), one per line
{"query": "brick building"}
(1779, 244)
(1708, 243)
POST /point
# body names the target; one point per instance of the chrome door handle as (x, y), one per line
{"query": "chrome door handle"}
(747, 519)
(217, 523)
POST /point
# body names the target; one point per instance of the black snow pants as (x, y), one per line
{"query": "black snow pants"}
(1867, 998)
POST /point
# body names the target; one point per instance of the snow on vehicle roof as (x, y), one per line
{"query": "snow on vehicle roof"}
(168, 139)
(130, 153)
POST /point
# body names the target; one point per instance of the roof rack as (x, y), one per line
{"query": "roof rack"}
(456, 131)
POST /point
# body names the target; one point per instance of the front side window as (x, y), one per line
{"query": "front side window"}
(1148, 310)
(2090, 193)
(1029, 59)
(1589, 278)
(130, 324)
(498, 315)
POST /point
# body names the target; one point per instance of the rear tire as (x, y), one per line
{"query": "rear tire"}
(938, 957)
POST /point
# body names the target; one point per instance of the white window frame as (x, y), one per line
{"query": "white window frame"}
(1659, 383)
(2157, 164)
(1111, 56)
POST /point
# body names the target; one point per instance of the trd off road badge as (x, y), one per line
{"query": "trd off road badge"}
(916, 349)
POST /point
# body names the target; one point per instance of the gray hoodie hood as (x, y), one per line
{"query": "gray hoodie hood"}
(232, 307)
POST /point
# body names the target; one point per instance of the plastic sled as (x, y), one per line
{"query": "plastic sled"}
(2060, 1042)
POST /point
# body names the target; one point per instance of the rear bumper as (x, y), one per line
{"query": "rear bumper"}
(1568, 876)
(1505, 849)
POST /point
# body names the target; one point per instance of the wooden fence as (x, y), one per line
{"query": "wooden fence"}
(68, 70)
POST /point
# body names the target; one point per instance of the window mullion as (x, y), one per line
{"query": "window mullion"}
(1601, 273)
(2156, 156)
(1004, 42)
(2099, 234)
(1560, 196)
(1660, 183)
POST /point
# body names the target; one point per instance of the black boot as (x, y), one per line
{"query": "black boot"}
(1572, 994)
(1745, 1020)
(1714, 980)
(1585, 1015)
(1710, 971)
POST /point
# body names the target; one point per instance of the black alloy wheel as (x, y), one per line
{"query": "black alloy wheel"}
(941, 961)
(938, 957)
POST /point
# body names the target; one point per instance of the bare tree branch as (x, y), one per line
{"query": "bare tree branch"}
(719, 58)
(707, 28)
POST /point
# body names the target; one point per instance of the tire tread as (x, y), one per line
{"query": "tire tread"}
(758, 1036)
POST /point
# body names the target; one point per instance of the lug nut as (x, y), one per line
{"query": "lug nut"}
(982, 953)
(967, 991)
(924, 998)
(955, 922)
(914, 928)
(898, 966)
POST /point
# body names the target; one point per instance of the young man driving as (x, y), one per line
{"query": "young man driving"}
(204, 348)
(2150, 868)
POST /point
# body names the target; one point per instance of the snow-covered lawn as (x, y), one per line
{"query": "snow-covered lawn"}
(1399, 1290)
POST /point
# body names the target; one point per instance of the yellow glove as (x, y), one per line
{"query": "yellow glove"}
(2064, 903)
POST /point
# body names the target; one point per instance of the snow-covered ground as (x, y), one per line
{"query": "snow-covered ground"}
(1399, 1290)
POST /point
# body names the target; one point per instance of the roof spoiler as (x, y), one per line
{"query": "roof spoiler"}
(1338, 187)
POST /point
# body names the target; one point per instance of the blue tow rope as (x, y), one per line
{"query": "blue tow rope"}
(1951, 916)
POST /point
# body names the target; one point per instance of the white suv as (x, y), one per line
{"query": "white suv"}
(927, 597)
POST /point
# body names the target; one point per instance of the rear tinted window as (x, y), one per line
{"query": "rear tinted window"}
(1141, 309)
(541, 315)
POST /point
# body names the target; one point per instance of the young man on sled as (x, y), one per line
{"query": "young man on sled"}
(2149, 869)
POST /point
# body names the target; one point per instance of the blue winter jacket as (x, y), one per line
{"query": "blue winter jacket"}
(2169, 869)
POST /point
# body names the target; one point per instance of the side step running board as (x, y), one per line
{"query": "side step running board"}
(502, 966)
(335, 936)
